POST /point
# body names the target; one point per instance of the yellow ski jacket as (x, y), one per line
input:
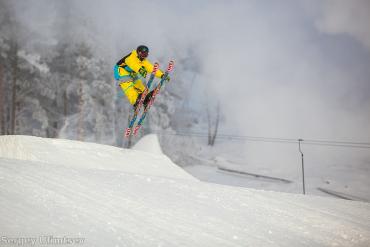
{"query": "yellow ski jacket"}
(132, 63)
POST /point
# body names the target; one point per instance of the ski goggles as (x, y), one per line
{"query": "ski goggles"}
(143, 54)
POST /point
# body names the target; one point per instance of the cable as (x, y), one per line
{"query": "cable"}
(270, 139)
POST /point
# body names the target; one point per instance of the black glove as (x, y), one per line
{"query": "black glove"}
(143, 72)
(133, 74)
(167, 78)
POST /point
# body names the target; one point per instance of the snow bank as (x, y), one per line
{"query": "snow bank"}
(53, 190)
(150, 144)
(88, 155)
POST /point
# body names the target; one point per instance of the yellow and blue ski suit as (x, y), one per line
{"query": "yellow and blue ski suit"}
(126, 72)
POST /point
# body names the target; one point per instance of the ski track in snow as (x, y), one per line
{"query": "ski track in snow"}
(117, 197)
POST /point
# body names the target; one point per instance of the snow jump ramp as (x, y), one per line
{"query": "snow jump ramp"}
(83, 194)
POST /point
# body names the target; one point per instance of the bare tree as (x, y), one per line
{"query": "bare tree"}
(2, 101)
(80, 128)
(15, 103)
(3, 13)
(9, 35)
(213, 124)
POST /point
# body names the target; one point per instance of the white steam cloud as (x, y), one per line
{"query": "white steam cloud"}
(350, 17)
(291, 69)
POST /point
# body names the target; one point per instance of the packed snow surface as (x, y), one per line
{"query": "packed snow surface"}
(149, 143)
(88, 156)
(75, 193)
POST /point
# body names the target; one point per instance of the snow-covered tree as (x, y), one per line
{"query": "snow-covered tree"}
(57, 85)
(91, 100)
(4, 52)
(32, 90)
(9, 44)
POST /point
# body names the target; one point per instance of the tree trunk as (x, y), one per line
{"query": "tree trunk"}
(209, 126)
(80, 129)
(65, 108)
(2, 104)
(14, 89)
(217, 123)
(212, 132)
(61, 122)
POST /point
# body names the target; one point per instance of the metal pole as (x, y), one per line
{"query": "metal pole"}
(303, 182)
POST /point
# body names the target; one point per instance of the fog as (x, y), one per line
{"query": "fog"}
(288, 69)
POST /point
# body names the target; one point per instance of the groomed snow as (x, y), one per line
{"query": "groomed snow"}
(88, 156)
(116, 197)
(149, 143)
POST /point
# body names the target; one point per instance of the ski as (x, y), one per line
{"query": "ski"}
(156, 90)
(142, 98)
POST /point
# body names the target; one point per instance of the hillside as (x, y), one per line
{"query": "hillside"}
(109, 196)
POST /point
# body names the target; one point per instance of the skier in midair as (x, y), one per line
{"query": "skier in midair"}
(129, 72)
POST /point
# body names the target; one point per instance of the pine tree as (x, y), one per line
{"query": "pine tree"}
(92, 99)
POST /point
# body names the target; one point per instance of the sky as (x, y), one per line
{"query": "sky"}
(289, 69)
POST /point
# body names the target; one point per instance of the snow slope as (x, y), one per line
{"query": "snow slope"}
(343, 170)
(115, 197)
(149, 143)
(88, 156)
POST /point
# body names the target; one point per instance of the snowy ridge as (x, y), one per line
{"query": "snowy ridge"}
(149, 143)
(61, 188)
(88, 155)
(341, 195)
